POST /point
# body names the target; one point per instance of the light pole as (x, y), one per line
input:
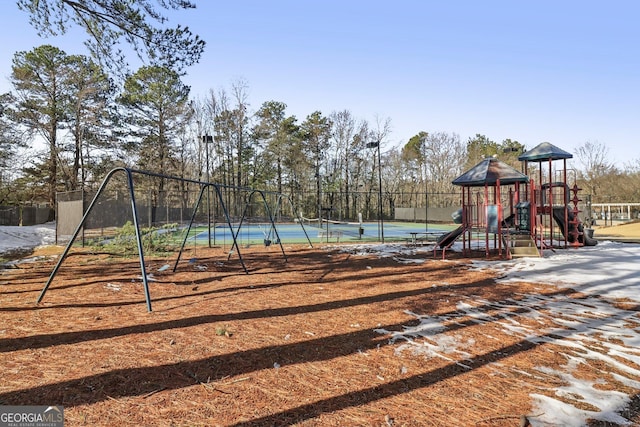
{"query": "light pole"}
(423, 141)
(376, 144)
(207, 139)
(426, 205)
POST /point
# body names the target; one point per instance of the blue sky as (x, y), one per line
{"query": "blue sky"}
(566, 72)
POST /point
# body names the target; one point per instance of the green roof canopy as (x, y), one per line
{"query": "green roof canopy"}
(544, 151)
(488, 172)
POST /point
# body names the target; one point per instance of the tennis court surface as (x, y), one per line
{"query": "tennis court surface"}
(259, 233)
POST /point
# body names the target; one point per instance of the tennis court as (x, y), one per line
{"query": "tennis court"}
(265, 233)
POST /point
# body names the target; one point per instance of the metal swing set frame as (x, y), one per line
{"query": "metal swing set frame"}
(204, 186)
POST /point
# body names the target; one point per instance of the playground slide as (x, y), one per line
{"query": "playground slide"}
(509, 221)
(558, 215)
(447, 239)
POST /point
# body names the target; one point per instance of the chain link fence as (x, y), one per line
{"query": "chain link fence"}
(25, 215)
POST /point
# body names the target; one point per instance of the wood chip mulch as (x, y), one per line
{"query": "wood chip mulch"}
(295, 342)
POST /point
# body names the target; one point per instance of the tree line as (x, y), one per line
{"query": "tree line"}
(71, 118)
(67, 123)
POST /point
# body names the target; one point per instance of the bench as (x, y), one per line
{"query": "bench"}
(423, 237)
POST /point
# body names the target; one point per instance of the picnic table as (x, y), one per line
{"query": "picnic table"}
(422, 236)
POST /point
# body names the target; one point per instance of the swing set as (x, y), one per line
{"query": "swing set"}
(271, 234)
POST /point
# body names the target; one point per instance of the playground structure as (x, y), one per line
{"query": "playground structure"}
(149, 180)
(507, 212)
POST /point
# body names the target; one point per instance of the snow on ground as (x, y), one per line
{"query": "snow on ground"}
(16, 238)
(609, 269)
(589, 330)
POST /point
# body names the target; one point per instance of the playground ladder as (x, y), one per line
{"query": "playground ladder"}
(520, 245)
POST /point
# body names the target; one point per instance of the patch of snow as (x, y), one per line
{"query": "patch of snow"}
(31, 237)
(591, 329)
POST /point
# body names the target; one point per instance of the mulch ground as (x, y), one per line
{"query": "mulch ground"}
(290, 343)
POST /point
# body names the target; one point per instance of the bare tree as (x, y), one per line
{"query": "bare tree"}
(379, 135)
(214, 123)
(445, 157)
(240, 93)
(630, 184)
(339, 155)
(595, 166)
